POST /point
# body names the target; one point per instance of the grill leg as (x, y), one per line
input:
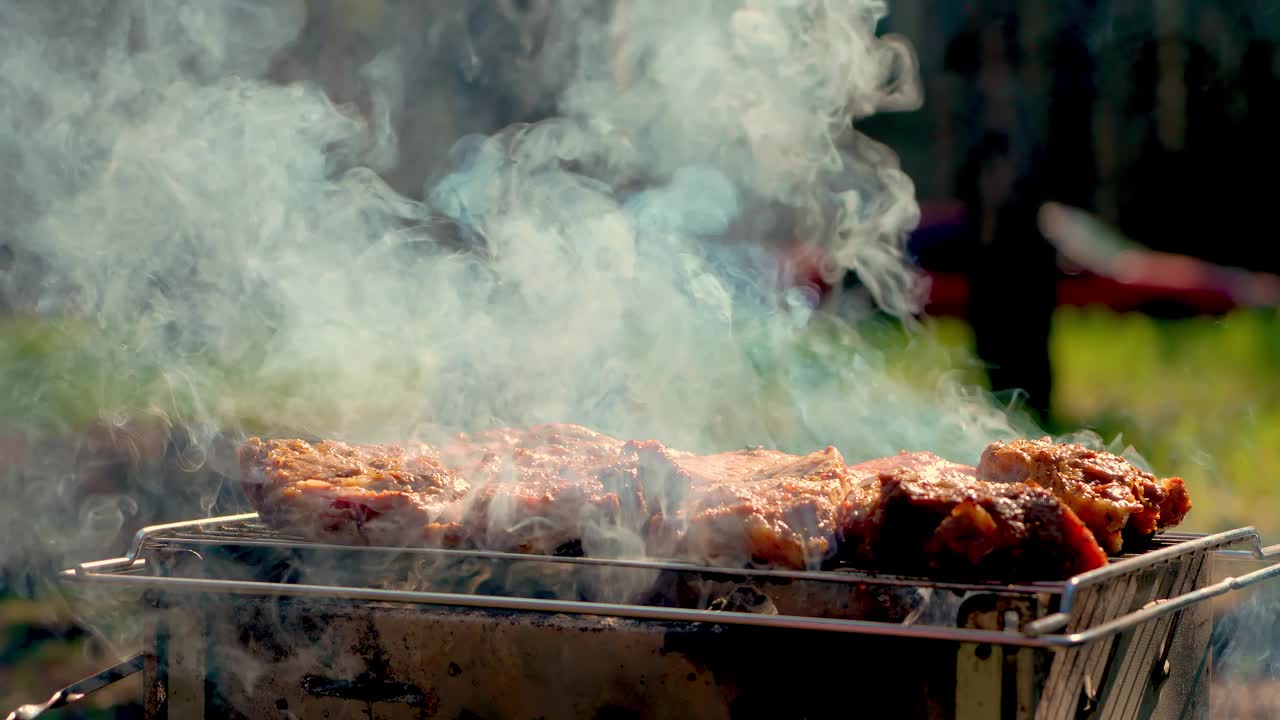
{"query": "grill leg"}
(979, 681)
(175, 677)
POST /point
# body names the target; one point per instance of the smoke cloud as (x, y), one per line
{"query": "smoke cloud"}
(210, 243)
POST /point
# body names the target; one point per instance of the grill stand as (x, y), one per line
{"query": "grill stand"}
(339, 659)
(1129, 640)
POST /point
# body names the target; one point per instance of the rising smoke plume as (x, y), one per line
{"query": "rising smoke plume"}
(216, 250)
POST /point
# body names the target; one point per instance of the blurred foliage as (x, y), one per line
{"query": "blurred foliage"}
(1199, 398)
(56, 381)
(42, 649)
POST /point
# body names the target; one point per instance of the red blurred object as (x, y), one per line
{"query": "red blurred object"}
(1115, 272)
(801, 266)
(949, 294)
(1134, 279)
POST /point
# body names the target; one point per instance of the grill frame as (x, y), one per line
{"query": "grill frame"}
(1084, 625)
(1124, 641)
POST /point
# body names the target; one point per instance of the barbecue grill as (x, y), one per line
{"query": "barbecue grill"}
(243, 621)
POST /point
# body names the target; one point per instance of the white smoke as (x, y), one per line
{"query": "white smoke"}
(213, 251)
(235, 263)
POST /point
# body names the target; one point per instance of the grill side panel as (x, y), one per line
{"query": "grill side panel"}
(344, 657)
(245, 656)
(1174, 681)
(273, 658)
(1156, 670)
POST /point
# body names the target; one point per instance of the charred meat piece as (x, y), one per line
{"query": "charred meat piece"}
(744, 507)
(929, 516)
(361, 494)
(1114, 498)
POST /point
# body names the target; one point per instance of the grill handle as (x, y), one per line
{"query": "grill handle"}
(76, 692)
(1270, 554)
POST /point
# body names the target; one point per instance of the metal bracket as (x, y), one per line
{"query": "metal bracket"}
(1056, 621)
(76, 692)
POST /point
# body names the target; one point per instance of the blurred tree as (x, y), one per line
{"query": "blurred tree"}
(1010, 269)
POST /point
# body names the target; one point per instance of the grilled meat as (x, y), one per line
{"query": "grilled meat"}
(550, 446)
(539, 491)
(746, 506)
(363, 494)
(553, 488)
(1112, 497)
(536, 490)
(558, 488)
(919, 514)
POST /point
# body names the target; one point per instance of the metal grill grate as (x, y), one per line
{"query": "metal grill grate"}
(249, 531)
(1092, 606)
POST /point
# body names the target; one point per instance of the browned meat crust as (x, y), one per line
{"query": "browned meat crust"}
(364, 494)
(929, 516)
(1114, 498)
(551, 488)
(747, 506)
(538, 491)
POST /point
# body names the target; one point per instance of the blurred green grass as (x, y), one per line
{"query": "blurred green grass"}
(1198, 398)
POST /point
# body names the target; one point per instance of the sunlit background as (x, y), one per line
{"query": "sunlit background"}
(1143, 310)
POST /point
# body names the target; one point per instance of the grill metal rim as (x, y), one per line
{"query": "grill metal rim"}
(248, 530)
(1039, 633)
(253, 534)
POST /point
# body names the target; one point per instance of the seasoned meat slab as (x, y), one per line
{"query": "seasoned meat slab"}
(1114, 498)
(335, 492)
(919, 514)
(746, 506)
(537, 491)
